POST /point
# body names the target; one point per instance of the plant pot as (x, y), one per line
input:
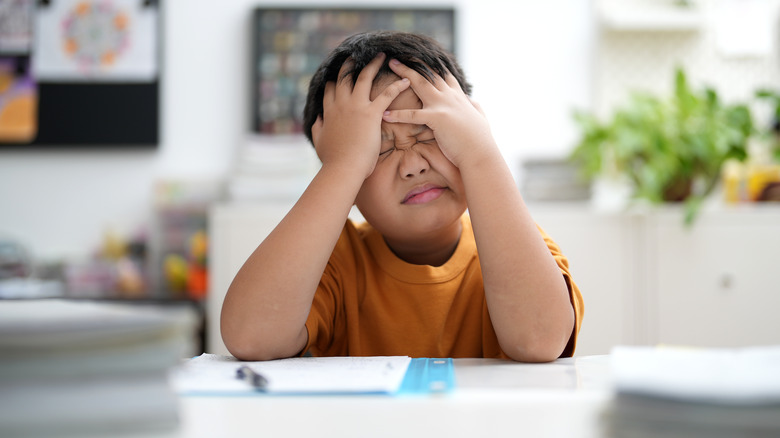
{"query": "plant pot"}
(678, 190)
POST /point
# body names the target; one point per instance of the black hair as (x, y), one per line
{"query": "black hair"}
(416, 51)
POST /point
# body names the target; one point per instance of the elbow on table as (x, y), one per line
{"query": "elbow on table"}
(246, 351)
(535, 348)
(542, 342)
(532, 355)
(253, 350)
(257, 347)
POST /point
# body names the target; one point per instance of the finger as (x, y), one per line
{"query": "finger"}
(411, 116)
(365, 80)
(451, 81)
(419, 82)
(343, 87)
(438, 81)
(388, 95)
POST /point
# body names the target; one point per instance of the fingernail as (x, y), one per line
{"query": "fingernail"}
(387, 113)
(394, 61)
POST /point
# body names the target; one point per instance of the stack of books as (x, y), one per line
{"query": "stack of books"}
(76, 368)
(272, 168)
(691, 392)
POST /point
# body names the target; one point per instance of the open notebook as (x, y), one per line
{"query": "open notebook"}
(211, 374)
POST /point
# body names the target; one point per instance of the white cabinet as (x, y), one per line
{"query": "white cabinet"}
(716, 283)
(602, 250)
(235, 230)
(645, 278)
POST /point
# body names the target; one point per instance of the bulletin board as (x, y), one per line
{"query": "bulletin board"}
(79, 73)
(290, 43)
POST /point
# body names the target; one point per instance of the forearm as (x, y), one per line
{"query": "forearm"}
(526, 293)
(267, 304)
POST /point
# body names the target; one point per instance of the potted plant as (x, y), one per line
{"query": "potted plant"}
(774, 99)
(670, 149)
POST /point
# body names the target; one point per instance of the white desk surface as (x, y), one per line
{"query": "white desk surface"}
(564, 398)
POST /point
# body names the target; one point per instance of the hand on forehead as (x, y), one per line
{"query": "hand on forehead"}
(382, 81)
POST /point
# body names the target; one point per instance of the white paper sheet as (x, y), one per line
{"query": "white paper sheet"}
(216, 374)
(732, 376)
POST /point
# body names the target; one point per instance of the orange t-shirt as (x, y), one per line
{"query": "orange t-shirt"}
(371, 303)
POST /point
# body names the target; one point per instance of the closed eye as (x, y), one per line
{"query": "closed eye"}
(425, 135)
(384, 153)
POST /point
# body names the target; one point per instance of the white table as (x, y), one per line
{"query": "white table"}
(564, 398)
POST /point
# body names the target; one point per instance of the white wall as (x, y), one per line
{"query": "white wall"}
(529, 61)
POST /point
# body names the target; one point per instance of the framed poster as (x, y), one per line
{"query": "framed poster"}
(95, 41)
(290, 43)
(88, 78)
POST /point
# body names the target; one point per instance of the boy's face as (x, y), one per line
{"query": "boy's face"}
(414, 190)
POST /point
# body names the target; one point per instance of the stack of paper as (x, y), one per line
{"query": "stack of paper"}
(75, 368)
(680, 392)
(552, 180)
(272, 169)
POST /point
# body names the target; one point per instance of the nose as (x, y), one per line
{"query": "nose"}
(412, 163)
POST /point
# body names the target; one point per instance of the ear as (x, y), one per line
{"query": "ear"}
(316, 129)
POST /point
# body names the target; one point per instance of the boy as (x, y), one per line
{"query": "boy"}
(390, 118)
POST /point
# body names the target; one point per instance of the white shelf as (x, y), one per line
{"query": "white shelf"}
(648, 16)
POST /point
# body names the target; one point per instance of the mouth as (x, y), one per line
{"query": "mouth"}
(423, 194)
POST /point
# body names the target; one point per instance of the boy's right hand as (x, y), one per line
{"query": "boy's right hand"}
(349, 131)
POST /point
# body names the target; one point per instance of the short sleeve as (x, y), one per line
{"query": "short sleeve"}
(574, 292)
(326, 322)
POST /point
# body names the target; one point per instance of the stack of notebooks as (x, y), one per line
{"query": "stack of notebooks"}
(683, 392)
(76, 368)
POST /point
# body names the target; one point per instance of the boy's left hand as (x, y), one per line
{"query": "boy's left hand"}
(458, 123)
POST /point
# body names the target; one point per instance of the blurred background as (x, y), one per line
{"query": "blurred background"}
(145, 162)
